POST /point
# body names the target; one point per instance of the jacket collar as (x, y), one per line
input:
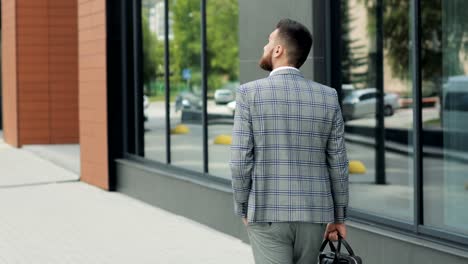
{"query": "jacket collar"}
(286, 71)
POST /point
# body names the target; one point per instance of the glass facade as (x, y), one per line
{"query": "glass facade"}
(445, 90)
(223, 81)
(379, 101)
(375, 75)
(185, 85)
(186, 102)
(153, 81)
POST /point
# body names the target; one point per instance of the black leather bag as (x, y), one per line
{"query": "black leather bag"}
(336, 256)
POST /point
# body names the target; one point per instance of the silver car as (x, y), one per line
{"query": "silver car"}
(362, 103)
(226, 94)
(188, 101)
(146, 104)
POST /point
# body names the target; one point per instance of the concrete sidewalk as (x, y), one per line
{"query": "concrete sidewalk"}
(21, 167)
(45, 219)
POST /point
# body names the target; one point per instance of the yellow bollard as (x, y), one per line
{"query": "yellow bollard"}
(223, 140)
(356, 167)
(180, 129)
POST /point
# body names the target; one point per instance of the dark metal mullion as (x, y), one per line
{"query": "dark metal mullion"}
(126, 148)
(167, 82)
(204, 85)
(380, 177)
(335, 47)
(417, 114)
(330, 36)
(137, 76)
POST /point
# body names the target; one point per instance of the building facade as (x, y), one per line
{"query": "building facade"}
(151, 104)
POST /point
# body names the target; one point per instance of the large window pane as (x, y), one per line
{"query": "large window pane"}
(223, 81)
(385, 188)
(445, 112)
(185, 81)
(153, 78)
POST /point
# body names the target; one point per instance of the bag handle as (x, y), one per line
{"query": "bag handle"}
(324, 245)
(337, 250)
(341, 240)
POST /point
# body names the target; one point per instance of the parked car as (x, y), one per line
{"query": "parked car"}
(226, 94)
(145, 107)
(188, 101)
(232, 106)
(362, 102)
(346, 89)
(455, 104)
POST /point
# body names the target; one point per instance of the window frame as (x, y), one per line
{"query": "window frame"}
(415, 228)
(333, 78)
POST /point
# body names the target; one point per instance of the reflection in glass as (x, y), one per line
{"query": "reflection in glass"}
(386, 191)
(153, 79)
(185, 85)
(223, 81)
(445, 115)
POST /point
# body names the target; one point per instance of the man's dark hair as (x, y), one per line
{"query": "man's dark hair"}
(297, 39)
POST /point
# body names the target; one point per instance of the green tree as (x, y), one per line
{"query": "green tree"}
(353, 56)
(397, 28)
(455, 36)
(223, 42)
(397, 36)
(222, 38)
(153, 53)
(185, 48)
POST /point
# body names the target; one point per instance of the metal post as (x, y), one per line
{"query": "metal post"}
(138, 77)
(167, 81)
(204, 85)
(380, 177)
(128, 146)
(334, 52)
(417, 113)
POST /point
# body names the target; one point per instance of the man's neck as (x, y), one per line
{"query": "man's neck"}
(283, 67)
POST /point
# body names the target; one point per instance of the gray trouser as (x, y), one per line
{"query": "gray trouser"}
(285, 243)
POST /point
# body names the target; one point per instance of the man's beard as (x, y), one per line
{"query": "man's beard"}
(265, 62)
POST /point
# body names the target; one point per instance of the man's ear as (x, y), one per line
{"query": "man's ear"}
(278, 51)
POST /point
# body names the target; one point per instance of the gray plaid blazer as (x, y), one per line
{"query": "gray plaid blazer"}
(288, 156)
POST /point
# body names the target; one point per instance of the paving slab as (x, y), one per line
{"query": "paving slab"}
(79, 223)
(19, 167)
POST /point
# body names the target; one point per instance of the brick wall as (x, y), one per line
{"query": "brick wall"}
(93, 92)
(33, 71)
(63, 71)
(41, 71)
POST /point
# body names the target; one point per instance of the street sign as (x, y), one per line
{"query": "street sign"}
(186, 74)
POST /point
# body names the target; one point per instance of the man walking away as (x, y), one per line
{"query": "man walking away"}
(288, 157)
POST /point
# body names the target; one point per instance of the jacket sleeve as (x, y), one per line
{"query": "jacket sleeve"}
(338, 165)
(242, 153)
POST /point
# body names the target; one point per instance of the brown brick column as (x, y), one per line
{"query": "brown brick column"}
(40, 71)
(93, 92)
(9, 73)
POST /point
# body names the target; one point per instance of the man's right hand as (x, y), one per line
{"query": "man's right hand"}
(332, 231)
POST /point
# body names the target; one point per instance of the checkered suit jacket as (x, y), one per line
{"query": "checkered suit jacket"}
(288, 156)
